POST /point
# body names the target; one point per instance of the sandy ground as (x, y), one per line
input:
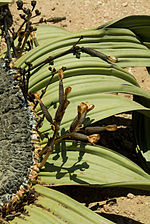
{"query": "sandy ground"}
(83, 14)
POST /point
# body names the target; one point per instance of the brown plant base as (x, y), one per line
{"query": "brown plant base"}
(19, 143)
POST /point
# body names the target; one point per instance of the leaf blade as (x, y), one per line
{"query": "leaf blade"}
(91, 165)
(55, 207)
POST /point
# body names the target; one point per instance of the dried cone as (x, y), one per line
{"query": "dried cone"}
(67, 91)
(112, 59)
(93, 138)
(112, 127)
(82, 108)
(60, 74)
(90, 106)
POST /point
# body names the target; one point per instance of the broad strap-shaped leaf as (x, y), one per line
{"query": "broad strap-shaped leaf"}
(92, 80)
(53, 207)
(142, 132)
(46, 32)
(119, 39)
(139, 24)
(121, 43)
(87, 67)
(105, 105)
(79, 163)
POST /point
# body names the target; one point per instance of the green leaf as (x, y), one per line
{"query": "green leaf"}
(139, 24)
(78, 163)
(81, 69)
(54, 207)
(92, 85)
(92, 80)
(121, 43)
(105, 105)
(46, 32)
(118, 38)
(142, 133)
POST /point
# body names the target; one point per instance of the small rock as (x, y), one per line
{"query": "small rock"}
(107, 208)
(100, 3)
(117, 211)
(106, 14)
(132, 215)
(64, 25)
(139, 201)
(130, 196)
(111, 202)
(125, 4)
